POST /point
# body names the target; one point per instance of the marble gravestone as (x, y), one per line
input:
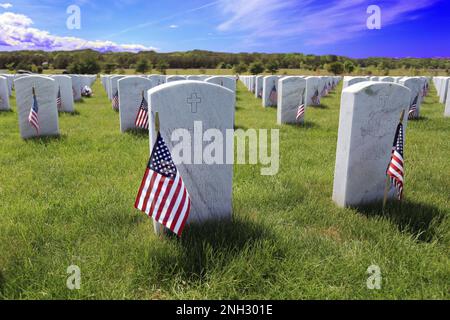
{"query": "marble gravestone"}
(76, 87)
(114, 89)
(196, 78)
(226, 82)
(4, 94)
(291, 94)
(447, 103)
(270, 86)
(199, 106)
(156, 79)
(64, 83)
(45, 88)
(443, 90)
(415, 86)
(348, 81)
(174, 78)
(386, 79)
(312, 89)
(131, 91)
(369, 115)
(258, 86)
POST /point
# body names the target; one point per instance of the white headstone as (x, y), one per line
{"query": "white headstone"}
(312, 91)
(270, 91)
(76, 87)
(415, 86)
(291, 94)
(259, 86)
(196, 107)
(226, 82)
(64, 83)
(45, 89)
(443, 89)
(174, 78)
(348, 81)
(370, 113)
(131, 92)
(4, 94)
(447, 104)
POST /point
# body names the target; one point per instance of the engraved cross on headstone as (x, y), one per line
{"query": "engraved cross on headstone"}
(194, 101)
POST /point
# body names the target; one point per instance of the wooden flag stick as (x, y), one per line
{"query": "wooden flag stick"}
(142, 94)
(34, 91)
(388, 182)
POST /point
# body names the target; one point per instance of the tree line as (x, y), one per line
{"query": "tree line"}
(93, 62)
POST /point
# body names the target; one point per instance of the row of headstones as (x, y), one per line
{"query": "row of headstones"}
(442, 85)
(69, 86)
(419, 87)
(290, 93)
(47, 90)
(126, 92)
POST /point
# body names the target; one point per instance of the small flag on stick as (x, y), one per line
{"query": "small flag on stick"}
(33, 117)
(162, 194)
(58, 100)
(115, 100)
(396, 171)
(301, 108)
(141, 121)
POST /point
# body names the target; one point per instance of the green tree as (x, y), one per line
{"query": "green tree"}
(240, 68)
(109, 67)
(272, 67)
(143, 66)
(349, 66)
(335, 67)
(162, 66)
(256, 68)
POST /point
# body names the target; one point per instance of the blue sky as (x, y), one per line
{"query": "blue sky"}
(418, 28)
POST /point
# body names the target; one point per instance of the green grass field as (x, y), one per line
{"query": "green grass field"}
(70, 201)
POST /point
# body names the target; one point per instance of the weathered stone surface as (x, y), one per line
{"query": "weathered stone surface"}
(291, 94)
(270, 84)
(131, 91)
(188, 105)
(370, 113)
(4, 94)
(45, 89)
(64, 83)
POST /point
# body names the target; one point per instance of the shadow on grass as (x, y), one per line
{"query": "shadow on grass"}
(47, 140)
(6, 112)
(319, 106)
(421, 220)
(420, 118)
(70, 114)
(209, 247)
(240, 127)
(305, 125)
(138, 133)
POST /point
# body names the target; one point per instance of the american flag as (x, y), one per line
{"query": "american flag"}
(260, 93)
(141, 121)
(73, 92)
(58, 99)
(301, 108)
(324, 91)
(273, 96)
(316, 98)
(33, 118)
(396, 170)
(425, 89)
(163, 195)
(115, 101)
(412, 114)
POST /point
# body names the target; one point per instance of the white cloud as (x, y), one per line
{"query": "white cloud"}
(17, 33)
(315, 21)
(6, 5)
(173, 26)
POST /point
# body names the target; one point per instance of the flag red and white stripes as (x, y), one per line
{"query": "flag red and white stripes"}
(33, 117)
(300, 112)
(162, 194)
(58, 100)
(115, 101)
(141, 121)
(396, 170)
